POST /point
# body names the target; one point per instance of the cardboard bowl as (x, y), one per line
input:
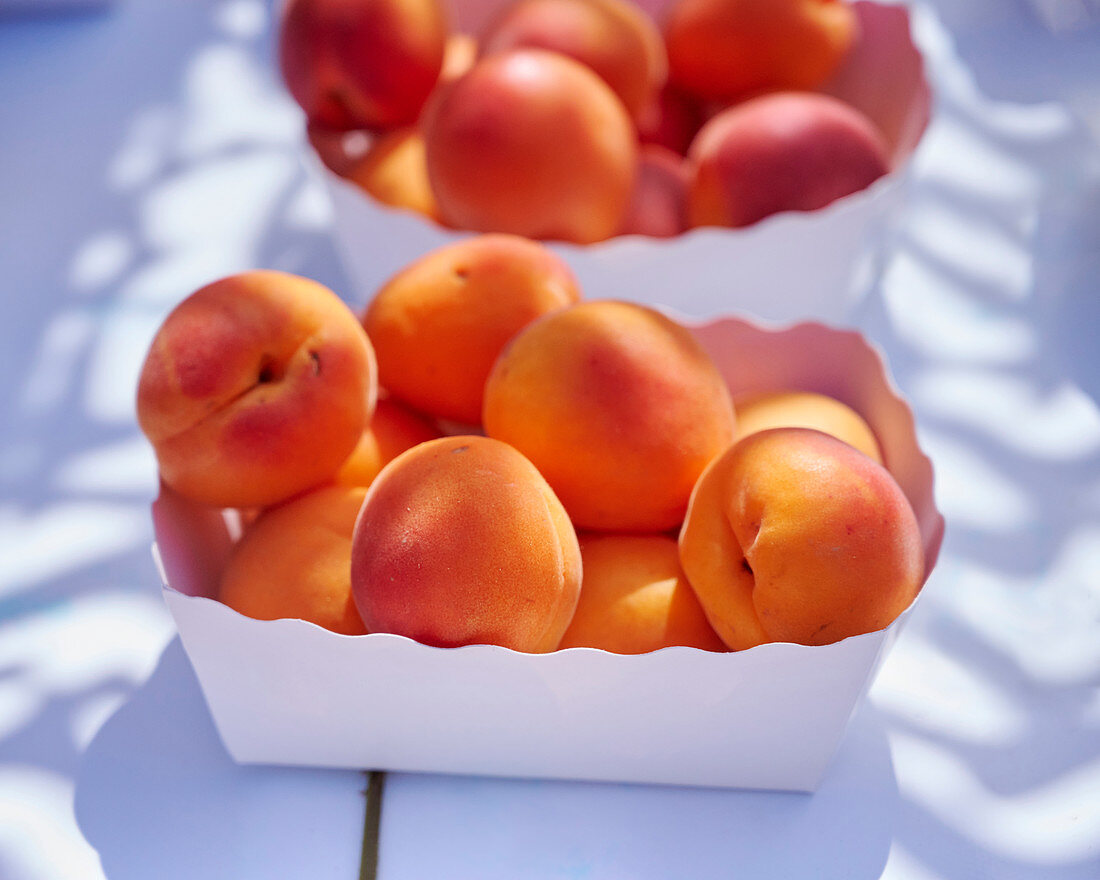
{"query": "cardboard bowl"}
(790, 266)
(289, 692)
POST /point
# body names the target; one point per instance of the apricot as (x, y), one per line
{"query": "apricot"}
(635, 598)
(781, 152)
(393, 429)
(459, 55)
(295, 561)
(395, 173)
(533, 143)
(440, 323)
(617, 406)
(618, 41)
(461, 541)
(340, 151)
(725, 49)
(670, 119)
(362, 64)
(805, 409)
(658, 206)
(795, 536)
(256, 388)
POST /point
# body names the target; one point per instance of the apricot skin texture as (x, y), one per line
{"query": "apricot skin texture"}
(441, 322)
(725, 49)
(635, 598)
(295, 561)
(658, 205)
(805, 409)
(532, 143)
(781, 152)
(618, 407)
(794, 536)
(362, 64)
(256, 388)
(393, 429)
(461, 541)
(394, 172)
(612, 37)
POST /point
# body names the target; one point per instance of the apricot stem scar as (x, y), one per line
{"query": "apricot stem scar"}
(267, 370)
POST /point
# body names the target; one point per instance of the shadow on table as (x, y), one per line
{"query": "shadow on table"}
(1026, 50)
(989, 317)
(135, 146)
(159, 796)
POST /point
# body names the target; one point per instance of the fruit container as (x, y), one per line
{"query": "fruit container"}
(771, 717)
(790, 266)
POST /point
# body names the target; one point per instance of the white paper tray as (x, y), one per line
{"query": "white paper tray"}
(790, 266)
(289, 692)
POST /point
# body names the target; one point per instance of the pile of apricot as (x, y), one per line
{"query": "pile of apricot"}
(580, 120)
(483, 457)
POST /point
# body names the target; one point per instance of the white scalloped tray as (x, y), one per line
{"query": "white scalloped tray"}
(288, 692)
(791, 266)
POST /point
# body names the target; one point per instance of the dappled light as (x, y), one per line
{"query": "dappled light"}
(182, 159)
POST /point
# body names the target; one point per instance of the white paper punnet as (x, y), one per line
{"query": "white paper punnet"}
(790, 266)
(289, 692)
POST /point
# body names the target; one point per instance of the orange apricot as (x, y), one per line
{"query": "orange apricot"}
(295, 561)
(394, 172)
(795, 536)
(618, 406)
(461, 541)
(532, 143)
(785, 151)
(635, 598)
(658, 206)
(440, 323)
(671, 120)
(459, 55)
(362, 64)
(805, 409)
(256, 387)
(614, 38)
(393, 429)
(725, 49)
(340, 151)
